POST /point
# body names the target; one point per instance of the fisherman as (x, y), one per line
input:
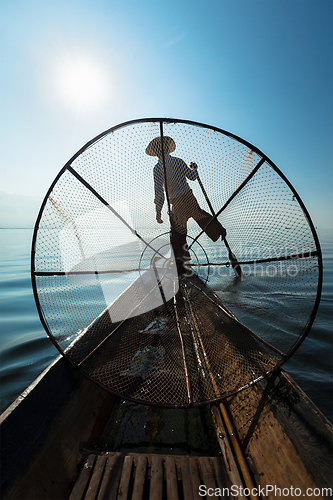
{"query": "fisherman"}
(182, 200)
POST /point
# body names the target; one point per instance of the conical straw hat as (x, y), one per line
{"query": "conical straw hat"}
(154, 147)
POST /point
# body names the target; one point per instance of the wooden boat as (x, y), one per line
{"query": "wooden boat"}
(66, 437)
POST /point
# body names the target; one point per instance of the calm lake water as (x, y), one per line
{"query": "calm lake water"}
(25, 349)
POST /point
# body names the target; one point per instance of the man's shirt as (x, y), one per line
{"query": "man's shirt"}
(176, 173)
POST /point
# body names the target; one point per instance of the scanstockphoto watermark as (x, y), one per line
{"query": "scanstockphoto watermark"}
(250, 251)
(266, 261)
(263, 492)
(271, 270)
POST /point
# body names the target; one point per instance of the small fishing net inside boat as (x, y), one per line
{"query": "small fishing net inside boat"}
(145, 316)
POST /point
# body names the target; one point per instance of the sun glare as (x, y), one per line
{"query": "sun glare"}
(82, 83)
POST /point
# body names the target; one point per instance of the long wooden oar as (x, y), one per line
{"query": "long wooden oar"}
(232, 258)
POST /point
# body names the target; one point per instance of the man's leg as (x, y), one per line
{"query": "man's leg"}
(178, 219)
(215, 230)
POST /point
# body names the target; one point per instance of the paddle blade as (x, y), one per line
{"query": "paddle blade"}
(236, 267)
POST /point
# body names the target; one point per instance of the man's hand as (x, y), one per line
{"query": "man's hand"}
(193, 165)
(158, 218)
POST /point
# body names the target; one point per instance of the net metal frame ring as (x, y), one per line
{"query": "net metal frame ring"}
(159, 250)
(104, 274)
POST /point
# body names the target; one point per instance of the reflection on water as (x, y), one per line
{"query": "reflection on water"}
(25, 349)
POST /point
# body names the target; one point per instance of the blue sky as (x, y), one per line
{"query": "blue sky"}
(261, 69)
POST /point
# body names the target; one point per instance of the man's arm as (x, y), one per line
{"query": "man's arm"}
(159, 194)
(191, 172)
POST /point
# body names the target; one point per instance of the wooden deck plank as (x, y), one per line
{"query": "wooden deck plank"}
(171, 478)
(157, 476)
(96, 477)
(195, 478)
(186, 478)
(140, 478)
(125, 478)
(222, 478)
(111, 477)
(83, 479)
(207, 474)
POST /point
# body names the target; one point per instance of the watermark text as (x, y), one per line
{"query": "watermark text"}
(263, 492)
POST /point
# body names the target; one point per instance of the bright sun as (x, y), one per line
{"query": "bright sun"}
(82, 83)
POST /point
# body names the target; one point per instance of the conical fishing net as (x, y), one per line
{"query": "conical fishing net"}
(174, 264)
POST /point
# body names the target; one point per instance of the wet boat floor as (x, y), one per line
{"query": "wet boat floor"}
(147, 429)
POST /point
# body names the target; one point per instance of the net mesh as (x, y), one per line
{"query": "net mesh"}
(147, 317)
